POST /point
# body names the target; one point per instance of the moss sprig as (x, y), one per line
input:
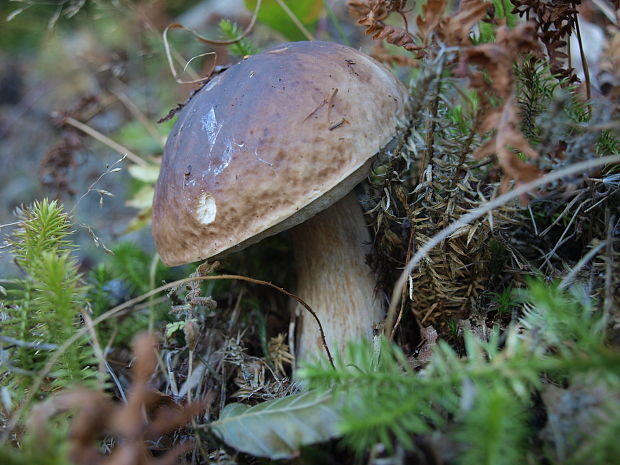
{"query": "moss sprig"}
(43, 307)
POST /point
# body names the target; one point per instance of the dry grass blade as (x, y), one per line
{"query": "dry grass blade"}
(124, 151)
(203, 39)
(295, 19)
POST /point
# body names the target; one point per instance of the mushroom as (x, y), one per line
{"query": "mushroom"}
(278, 141)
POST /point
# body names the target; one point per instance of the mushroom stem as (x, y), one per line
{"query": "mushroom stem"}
(334, 279)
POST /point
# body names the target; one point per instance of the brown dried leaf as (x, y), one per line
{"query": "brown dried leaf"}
(456, 29)
(381, 54)
(432, 11)
(506, 142)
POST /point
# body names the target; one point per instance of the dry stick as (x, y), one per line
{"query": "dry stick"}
(119, 308)
(611, 226)
(572, 274)
(104, 139)
(478, 213)
(584, 62)
(295, 19)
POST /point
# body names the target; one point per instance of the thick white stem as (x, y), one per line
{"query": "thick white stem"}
(334, 279)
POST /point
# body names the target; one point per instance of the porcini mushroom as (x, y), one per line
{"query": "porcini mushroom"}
(278, 141)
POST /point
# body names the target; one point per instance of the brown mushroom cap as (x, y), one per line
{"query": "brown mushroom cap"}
(269, 143)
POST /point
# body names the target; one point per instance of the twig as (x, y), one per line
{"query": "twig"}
(478, 213)
(584, 62)
(563, 237)
(431, 124)
(561, 215)
(31, 345)
(611, 227)
(10, 224)
(117, 382)
(613, 124)
(104, 139)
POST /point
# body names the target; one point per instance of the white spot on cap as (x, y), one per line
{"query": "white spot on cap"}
(206, 209)
(211, 126)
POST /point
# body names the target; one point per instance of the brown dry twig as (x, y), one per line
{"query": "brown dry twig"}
(147, 415)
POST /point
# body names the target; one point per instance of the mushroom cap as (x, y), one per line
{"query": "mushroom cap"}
(268, 143)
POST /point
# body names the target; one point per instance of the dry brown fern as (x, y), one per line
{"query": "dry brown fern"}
(372, 13)
(455, 30)
(147, 415)
(555, 21)
(496, 60)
